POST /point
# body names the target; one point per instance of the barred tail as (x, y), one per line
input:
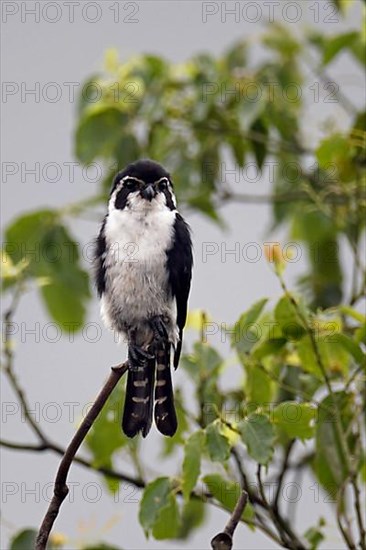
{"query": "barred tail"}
(137, 414)
(165, 415)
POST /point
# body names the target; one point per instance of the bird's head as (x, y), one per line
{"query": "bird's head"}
(142, 185)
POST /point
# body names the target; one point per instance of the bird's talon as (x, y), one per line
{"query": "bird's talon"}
(159, 329)
(137, 357)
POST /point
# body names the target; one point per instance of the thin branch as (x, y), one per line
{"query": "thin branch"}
(359, 370)
(288, 536)
(224, 540)
(9, 356)
(60, 488)
(343, 100)
(282, 473)
(359, 513)
(284, 540)
(295, 196)
(254, 498)
(23, 446)
(346, 531)
(49, 446)
(274, 145)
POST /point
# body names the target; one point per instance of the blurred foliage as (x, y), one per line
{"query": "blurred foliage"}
(193, 118)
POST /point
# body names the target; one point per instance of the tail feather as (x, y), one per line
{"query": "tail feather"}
(165, 415)
(138, 409)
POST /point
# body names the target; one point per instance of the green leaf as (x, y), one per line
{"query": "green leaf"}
(24, 540)
(98, 132)
(127, 150)
(330, 149)
(314, 535)
(155, 499)
(252, 314)
(218, 445)
(24, 236)
(259, 146)
(167, 523)
(307, 356)
(330, 463)
(238, 149)
(227, 493)
(204, 366)
(101, 546)
(87, 98)
(268, 347)
(292, 383)
(53, 257)
(192, 462)
(62, 306)
(204, 361)
(360, 334)
(353, 313)
(179, 438)
(362, 469)
(318, 231)
(336, 151)
(204, 203)
(343, 5)
(336, 44)
(258, 435)
(280, 39)
(237, 56)
(244, 338)
(258, 385)
(335, 351)
(193, 515)
(295, 419)
(352, 347)
(288, 319)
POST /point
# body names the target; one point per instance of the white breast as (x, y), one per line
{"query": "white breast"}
(136, 274)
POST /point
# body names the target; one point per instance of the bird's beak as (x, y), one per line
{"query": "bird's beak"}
(148, 192)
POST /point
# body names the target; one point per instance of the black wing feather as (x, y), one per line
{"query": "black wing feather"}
(99, 259)
(180, 262)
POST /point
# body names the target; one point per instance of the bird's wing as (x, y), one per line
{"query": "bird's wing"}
(99, 259)
(180, 261)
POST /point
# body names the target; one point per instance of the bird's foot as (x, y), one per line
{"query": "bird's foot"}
(138, 357)
(158, 327)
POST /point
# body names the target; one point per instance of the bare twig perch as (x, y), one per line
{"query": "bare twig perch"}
(224, 540)
(60, 488)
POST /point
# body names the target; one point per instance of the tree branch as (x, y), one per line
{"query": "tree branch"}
(224, 540)
(23, 446)
(256, 500)
(60, 488)
(294, 196)
(284, 470)
(345, 530)
(49, 446)
(9, 356)
(288, 537)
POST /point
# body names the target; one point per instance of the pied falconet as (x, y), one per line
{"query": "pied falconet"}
(143, 266)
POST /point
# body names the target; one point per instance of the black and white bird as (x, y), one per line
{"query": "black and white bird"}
(143, 262)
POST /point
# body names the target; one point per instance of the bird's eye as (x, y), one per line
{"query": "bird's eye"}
(130, 184)
(163, 184)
